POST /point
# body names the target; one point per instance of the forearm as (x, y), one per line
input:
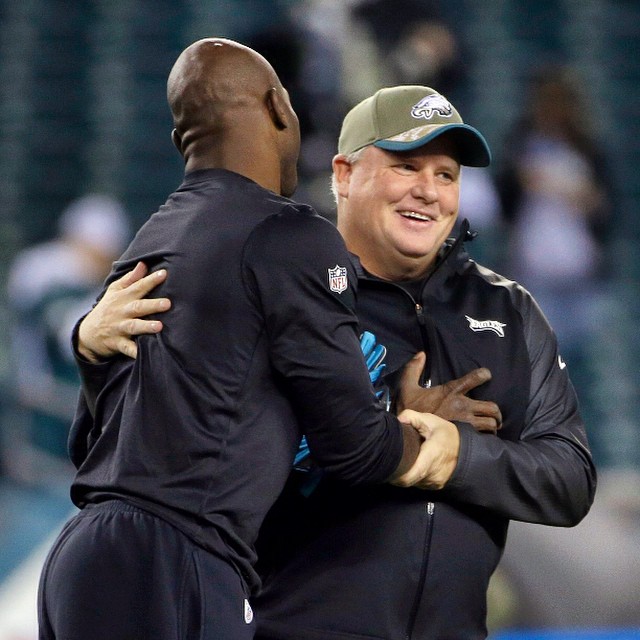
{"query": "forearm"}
(92, 374)
(411, 441)
(546, 473)
(546, 480)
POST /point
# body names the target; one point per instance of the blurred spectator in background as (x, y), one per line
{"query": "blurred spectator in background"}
(480, 204)
(49, 285)
(310, 67)
(415, 43)
(556, 199)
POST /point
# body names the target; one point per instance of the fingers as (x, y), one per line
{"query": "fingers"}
(130, 290)
(487, 409)
(144, 285)
(139, 271)
(485, 425)
(482, 415)
(469, 381)
(136, 327)
(127, 347)
(137, 282)
(145, 307)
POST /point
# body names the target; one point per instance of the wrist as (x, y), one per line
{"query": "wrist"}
(80, 347)
(411, 442)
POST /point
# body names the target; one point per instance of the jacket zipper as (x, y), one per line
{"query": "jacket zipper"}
(425, 378)
(430, 507)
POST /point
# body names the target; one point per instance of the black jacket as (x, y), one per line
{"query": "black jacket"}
(260, 345)
(383, 562)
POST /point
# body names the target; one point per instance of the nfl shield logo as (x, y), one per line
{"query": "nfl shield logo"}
(338, 279)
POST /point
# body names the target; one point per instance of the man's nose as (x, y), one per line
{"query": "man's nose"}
(424, 188)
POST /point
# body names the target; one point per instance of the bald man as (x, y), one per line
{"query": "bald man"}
(187, 446)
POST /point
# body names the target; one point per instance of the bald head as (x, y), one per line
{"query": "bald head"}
(231, 111)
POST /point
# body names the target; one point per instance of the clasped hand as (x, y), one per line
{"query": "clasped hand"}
(438, 455)
(111, 325)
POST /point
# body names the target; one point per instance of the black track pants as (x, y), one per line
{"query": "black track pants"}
(117, 572)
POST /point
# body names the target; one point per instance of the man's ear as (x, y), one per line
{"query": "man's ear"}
(277, 108)
(342, 173)
(177, 140)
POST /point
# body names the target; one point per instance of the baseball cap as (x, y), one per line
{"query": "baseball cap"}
(406, 117)
(98, 221)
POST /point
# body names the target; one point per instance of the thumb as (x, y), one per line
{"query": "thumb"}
(413, 369)
(419, 421)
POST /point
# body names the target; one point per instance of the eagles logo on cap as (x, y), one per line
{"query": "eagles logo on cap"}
(431, 105)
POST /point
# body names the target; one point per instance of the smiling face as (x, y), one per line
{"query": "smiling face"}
(395, 209)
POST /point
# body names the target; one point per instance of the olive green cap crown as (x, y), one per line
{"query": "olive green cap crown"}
(406, 117)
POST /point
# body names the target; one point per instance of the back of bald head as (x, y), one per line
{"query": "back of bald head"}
(216, 85)
(231, 112)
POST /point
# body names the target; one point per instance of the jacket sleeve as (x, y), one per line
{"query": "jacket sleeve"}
(299, 273)
(548, 476)
(92, 378)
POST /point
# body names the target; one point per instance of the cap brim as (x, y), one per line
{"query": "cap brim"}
(473, 148)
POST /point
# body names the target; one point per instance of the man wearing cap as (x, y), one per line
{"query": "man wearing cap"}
(379, 562)
(49, 285)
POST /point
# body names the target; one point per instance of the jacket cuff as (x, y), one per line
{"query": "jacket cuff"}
(467, 433)
(88, 370)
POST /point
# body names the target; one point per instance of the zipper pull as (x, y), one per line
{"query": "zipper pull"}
(425, 381)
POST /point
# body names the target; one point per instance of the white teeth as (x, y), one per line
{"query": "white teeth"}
(416, 216)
